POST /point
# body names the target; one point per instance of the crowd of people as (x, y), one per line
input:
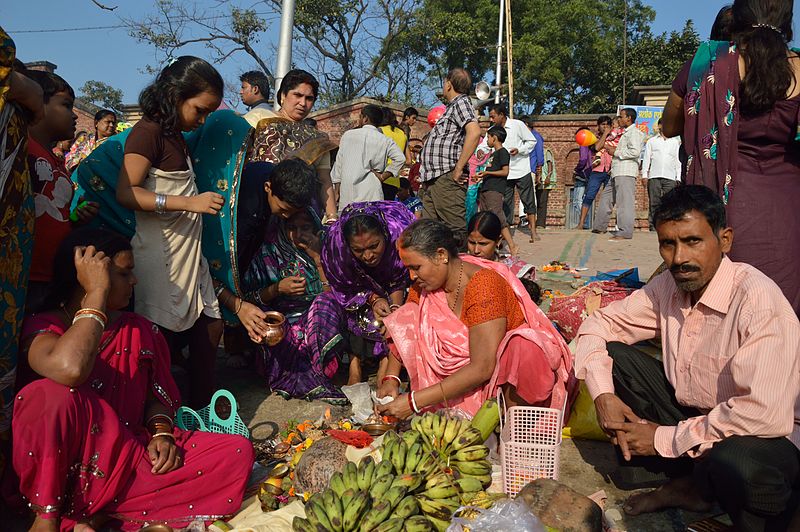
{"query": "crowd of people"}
(130, 253)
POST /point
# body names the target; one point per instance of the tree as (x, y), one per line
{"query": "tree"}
(102, 94)
(567, 54)
(177, 24)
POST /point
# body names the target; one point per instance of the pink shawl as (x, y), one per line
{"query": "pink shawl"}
(433, 343)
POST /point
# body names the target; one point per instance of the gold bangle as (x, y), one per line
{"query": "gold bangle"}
(444, 397)
(93, 311)
(165, 434)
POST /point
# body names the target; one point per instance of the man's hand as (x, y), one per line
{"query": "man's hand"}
(611, 409)
(640, 437)
(458, 175)
(513, 151)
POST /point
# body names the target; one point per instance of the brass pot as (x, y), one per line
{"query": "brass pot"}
(275, 328)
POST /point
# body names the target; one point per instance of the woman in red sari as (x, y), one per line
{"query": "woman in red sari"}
(469, 328)
(92, 429)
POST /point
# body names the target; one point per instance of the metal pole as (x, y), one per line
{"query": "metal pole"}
(509, 60)
(625, 53)
(284, 61)
(499, 72)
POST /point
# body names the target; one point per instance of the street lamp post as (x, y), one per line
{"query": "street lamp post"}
(284, 61)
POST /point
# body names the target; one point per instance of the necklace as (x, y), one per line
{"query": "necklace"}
(458, 292)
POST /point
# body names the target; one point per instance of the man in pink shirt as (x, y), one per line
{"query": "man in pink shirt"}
(726, 394)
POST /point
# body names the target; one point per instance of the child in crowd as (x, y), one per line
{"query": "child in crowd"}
(52, 186)
(602, 157)
(157, 181)
(494, 182)
(407, 197)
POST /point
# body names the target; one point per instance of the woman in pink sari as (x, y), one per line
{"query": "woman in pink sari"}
(469, 328)
(93, 438)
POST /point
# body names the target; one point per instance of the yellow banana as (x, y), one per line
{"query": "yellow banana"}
(438, 509)
(477, 467)
(439, 479)
(399, 457)
(469, 437)
(471, 453)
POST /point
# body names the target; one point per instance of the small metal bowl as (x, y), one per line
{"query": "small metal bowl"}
(376, 429)
(157, 528)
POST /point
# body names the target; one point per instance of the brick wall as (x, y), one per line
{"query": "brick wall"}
(558, 132)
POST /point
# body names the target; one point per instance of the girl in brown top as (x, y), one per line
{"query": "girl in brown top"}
(157, 182)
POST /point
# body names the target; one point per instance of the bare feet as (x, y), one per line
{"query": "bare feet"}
(47, 525)
(354, 376)
(679, 493)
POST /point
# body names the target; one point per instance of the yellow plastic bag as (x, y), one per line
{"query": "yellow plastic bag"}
(583, 421)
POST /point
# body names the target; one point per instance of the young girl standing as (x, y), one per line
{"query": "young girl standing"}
(157, 181)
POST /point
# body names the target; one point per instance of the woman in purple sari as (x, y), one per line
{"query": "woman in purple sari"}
(367, 278)
(285, 275)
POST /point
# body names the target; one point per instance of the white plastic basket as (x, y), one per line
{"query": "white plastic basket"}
(530, 444)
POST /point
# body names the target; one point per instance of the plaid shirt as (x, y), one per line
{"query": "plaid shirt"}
(446, 140)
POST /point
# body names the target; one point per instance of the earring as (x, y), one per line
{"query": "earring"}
(446, 261)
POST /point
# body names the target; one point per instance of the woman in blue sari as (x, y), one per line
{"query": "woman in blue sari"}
(286, 275)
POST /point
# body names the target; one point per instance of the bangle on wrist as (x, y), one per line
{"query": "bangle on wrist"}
(391, 377)
(413, 403)
(154, 417)
(394, 307)
(164, 434)
(161, 204)
(239, 308)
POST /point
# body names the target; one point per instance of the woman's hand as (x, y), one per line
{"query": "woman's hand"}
(389, 388)
(381, 309)
(164, 455)
(293, 285)
(252, 318)
(312, 245)
(399, 408)
(86, 212)
(206, 203)
(93, 270)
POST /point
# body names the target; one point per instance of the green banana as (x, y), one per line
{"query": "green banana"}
(348, 496)
(436, 431)
(350, 476)
(440, 492)
(477, 467)
(471, 453)
(383, 468)
(381, 486)
(418, 523)
(437, 509)
(365, 472)
(391, 525)
(399, 457)
(440, 525)
(471, 436)
(316, 514)
(439, 479)
(395, 495)
(355, 510)
(333, 507)
(486, 418)
(413, 457)
(450, 431)
(390, 435)
(406, 508)
(410, 437)
(388, 450)
(425, 429)
(469, 484)
(410, 481)
(336, 483)
(375, 516)
(428, 464)
(302, 525)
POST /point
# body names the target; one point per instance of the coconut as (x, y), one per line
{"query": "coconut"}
(318, 463)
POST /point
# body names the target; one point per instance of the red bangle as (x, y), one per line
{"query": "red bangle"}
(410, 404)
(395, 377)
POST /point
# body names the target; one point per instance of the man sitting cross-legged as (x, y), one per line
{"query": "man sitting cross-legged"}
(726, 394)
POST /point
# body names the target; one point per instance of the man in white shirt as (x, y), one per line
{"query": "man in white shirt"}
(519, 142)
(661, 167)
(361, 165)
(621, 190)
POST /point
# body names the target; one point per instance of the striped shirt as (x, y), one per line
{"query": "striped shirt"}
(734, 356)
(443, 147)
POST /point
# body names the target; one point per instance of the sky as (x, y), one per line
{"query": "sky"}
(112, 56)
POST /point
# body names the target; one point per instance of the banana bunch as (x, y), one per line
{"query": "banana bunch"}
(367, 498)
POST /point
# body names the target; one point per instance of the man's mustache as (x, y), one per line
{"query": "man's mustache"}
(684, 268)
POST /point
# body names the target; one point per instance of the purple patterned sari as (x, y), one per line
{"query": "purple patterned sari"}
(302, 364)
(352, 283)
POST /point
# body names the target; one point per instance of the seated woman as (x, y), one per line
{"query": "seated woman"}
(285, 275)
(467, 329)
(367, 277)
(92, 433)
(483, 239)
